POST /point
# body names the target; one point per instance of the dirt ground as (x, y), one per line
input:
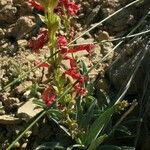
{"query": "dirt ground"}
(19, 23)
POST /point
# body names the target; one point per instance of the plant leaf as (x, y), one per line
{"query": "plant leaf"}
(88, 116)
(109, 147)
(75, 146)
(123, 129)
(98, 124)
(79, 110)
(97, 142)
(127, 148)
(84, 68)
(50, 145)
(62, 127)
(39, 102)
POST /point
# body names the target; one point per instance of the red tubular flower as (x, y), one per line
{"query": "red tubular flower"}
(36, 5)
(80, 90)
(80, 78)
(41, 64)
(76, 75)
(72, 61)
(73, 73)
(88, 47)
(62, 44)
(39, 42)
(49, 96)
(73, 8)
(62, 41)
(70, 6)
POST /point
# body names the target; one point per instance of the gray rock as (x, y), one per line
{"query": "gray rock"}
(5, 2)
(11, 102)
(7, 14)
(8, 119)
(2, 33)
(23, 87)
(28, 110)
(23, 26)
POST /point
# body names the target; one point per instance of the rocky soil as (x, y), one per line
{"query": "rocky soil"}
(18, 23)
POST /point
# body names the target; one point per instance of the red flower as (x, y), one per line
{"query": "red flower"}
(80, 90)
(73, 73)
(39, 42)
(64, 50)
(62, 41)
(41, 64)
(73, 8)
(72, 61)
(62, 44)
(76, 75)
(88, 47)
(49, 95)
(36, 5)
(70, 6)
(80, 78)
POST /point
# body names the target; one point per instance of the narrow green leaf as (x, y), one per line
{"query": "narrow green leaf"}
(61, 127)
(39, 102)
(127, 148)
(79, 110)
(109, 147)
(113, 147)
(97, 142)
(84, 68)
(85, 122)
(75, 146)
(123, 129)
(33, 89)
(54, 112)
(98, 124)
(50, 146)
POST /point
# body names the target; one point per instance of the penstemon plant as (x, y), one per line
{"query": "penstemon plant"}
(57, 14)
(68, 97)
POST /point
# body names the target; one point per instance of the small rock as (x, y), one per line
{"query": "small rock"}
(22, 43)
(26, 95)
(28, 110)
(37, 74)
(23, 87)
(106, 49)
(23, 26)
(24, 145)
(11, 102)
(103, 35)
(8, 119)
(7, 14)
(31, 57)
(5, 2)
(2, 111)
(18, 1)
(82, 40)
(1, 33)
